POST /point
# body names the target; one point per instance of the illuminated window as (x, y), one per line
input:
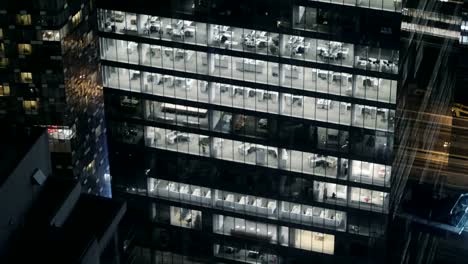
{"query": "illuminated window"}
(1, 33)
(24, 20)
(91, 168)
(4, 90)
(24, 49)
(30, 107)
(313, 241)
(76, 19)
(2, 48)
(187, 218)
(50, 35)
(26, 77)
(3, 62)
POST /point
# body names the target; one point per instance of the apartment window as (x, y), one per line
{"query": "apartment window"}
(24, 20)
(1, 32)
(76, 19)
(30, 107)
(26, 77)
(2, 48)
(4, 90)
(3, 62)
(50, 35)
(24, 49)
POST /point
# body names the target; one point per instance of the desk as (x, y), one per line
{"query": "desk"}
(169, 52)
(184, 23)
(154, 78)
(333, 50)
(342, 77)
(295, 39)
(296, 45)
(130, 102)
(328, 55)
(344, 107)
(130, 29)
(183, 54)
(220, 28)
(324, 103)
(168, 80)
(182, 82)
(343, 53)
(250, 43)
(322, 74)
(361, 62)
(273, 96)
(388, 66)
(250, 65)
(134, 75)
(169, 29)
(177, 34)
(189, 31)
(367, 110)
(118, 17)
(293, 99)
(228, 44)
(153, 26)
(155, 51)
(370, 82)
(221, 38)
(300, 49)
(272, 151)
(153, 19)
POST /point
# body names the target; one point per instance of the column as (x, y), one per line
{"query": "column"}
(210, 89)
(141, 24)
(210, 62)
(353, 114)
(281, 103)
(281, 75)
(209, 33)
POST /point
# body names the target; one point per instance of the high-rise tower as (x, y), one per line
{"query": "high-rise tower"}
(252, 131)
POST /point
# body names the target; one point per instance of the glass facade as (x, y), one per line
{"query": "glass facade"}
(308, 116)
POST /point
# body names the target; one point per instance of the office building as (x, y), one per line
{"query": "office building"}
(48, 78)
(45, 216)
(252, 131)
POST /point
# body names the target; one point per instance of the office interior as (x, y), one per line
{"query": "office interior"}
(253, 41)
(248, 204)
(258, 71)
(252, 99)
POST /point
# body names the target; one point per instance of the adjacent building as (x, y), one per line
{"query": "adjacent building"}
(48, 78)
(24, 167)
(252, 131)
(428, 208)
(46, 216)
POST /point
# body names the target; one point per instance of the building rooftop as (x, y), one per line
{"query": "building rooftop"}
(87, 220)
(15, 142)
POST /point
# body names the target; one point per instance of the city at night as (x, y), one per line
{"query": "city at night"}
(220, 131)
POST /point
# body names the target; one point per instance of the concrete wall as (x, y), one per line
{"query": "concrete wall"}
(19, 190)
